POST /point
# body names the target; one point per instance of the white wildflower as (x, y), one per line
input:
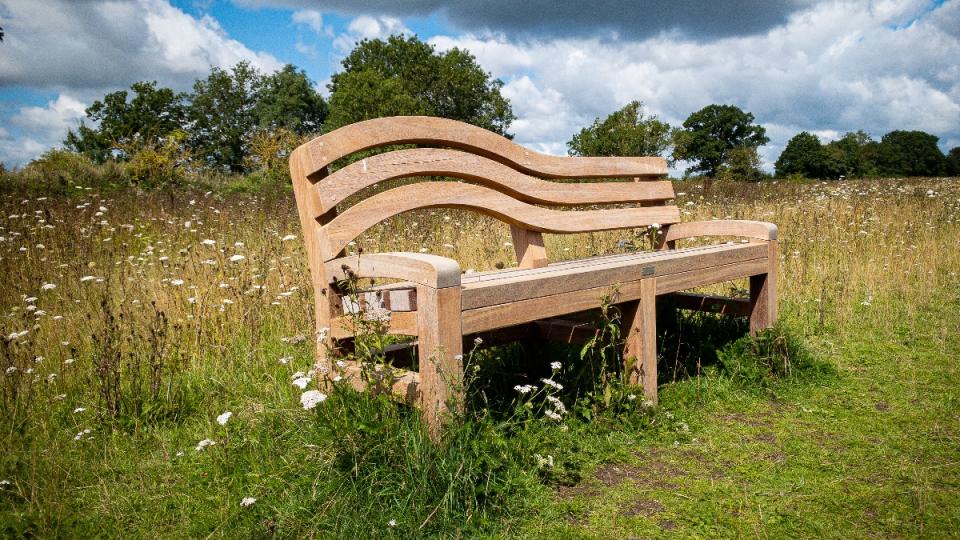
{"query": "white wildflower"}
(555, 365)
(551, 382)
(208, 242)
(80, 435)
(288, 237)
(301, 382)
(285, 360)
(247, 501)
(312, 398)
(79, 410)
(392, 523)
(87, 278)
(11, 369)
(477, 340)
(236, 258)
(223, 418)
(205, 443)
(48, 287)
(525, 388)
(552, 415)
(176, 282)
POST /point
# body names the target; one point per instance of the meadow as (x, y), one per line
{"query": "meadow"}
(132, 322)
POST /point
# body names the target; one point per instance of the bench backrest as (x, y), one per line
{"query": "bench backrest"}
(504, 180)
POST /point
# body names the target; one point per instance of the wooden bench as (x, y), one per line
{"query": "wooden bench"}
(444, 308)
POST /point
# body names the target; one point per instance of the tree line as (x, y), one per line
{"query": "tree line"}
(239, 120)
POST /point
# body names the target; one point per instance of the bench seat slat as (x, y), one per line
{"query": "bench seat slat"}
(363, 215)
(327, 148)
(408, 163)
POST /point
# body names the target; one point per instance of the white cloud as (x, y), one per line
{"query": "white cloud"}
(832, 68)
(366, 27)
(40, 128)
(313, 20)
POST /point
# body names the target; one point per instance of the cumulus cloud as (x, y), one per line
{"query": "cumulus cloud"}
(98, 44)
(313, 20)
(39, 128)
(829, 69)
(628, 19)
(365, 27)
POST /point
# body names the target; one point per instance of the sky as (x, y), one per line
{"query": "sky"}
(827, 67)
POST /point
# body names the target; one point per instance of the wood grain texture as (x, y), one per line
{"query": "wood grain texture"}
(346, 140)
(403, 384)
(529, 247)
(737, 307)
(640, 346)
(440, 351)
(763, 294)
(360, 217)
(402, 323)
(417, 162)
(760, 230)
(423, 268)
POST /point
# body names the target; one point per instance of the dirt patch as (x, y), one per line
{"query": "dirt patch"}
(667, 525)
(744, 420)
(882, 406)
(764, 437)
(776, 457)
(642, 507)
(652, 473)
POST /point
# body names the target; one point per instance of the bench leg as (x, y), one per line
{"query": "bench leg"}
(640, 348)
(440, 353)
(763, 294)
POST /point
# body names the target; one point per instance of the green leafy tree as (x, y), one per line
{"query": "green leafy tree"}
(852, 152)
(742, 164)
(286, 100)
(911, 153)
(223, 115)
(953, 161)
(626, 132)
(709, 134)
(405, 76)
(125, 126)
(803, 155)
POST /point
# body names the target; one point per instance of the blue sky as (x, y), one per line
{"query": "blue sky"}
(822, 66)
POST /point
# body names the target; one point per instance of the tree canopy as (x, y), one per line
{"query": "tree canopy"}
(803, 155)
(911, 153)
(626, 132)
(405, 76)
(709, 134)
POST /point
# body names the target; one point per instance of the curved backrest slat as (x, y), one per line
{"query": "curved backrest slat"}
(367, 213)
(326, 149)
(343, 183)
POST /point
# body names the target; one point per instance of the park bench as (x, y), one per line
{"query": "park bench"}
(445, 308)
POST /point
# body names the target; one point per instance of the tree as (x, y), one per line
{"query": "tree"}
(710, 133)
(223, 115)
(123, 127)
(803, 155)
(626, 132)
(953, 161)
(743, 164)
(911, 153)
(854, 155)
(404, 76)
(286, 100)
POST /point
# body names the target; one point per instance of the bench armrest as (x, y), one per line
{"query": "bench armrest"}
(759, 230)
(421, 268)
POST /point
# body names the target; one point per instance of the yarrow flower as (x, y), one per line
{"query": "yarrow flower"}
(555, 365)
(312, 398)
(553, 383)
(301, 382)
(247, 501)
(223, 418)
(525, 388)
(48, 286)
(552, 415)
(236, 258)
(288, 237)
(208, 242)
(176, 282)
(205, 443)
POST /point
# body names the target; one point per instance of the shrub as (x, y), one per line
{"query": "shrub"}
(769, 356)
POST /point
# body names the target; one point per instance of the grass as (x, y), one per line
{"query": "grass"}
(859, 440)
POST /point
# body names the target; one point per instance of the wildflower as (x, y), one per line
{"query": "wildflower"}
(288, 237)
(631, 397)
(552, 415)
(341, 364)
(11, 369)
(223, 418)
(18, 335)
(477, 340)
(285, 360)
(392, 523)
(48, 287)
(79, 410)
(551, 382)
(557, 404)
(322, 333)
(298, 374)
(555, 365)
(180, 453)
(236, 258)
(247, 501)
(312, 398)
(525, 388)
(205, 443)
(4, 482)
(654, 226)
(301, 382)
(208, 242)
(87, 278)
(80, 435)
(176, 282)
